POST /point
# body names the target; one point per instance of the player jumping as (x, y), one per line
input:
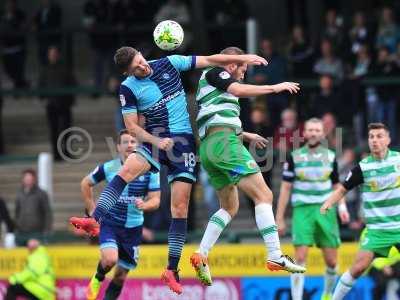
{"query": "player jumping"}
(154, 89)
(121, 232)
(379, 177)
(230, 165)
(310, 175)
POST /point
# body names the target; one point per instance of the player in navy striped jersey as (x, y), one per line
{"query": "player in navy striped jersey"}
(154, 90)
(121, 231)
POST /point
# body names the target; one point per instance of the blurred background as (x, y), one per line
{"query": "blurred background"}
(57, 73)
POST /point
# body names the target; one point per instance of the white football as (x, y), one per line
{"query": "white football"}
(168, 35)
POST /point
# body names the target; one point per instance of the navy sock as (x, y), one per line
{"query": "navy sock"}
(176, 240)
(109, 197)
(101, 272)
(113, 291)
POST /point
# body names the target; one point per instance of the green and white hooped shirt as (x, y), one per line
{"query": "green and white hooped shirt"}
(217, 107)
(380, 190)
(313, 172)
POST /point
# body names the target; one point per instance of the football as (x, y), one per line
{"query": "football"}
(168, 35)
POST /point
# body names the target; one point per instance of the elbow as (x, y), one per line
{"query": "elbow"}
(156, 205)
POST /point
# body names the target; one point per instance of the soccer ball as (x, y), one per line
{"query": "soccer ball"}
(168, 35)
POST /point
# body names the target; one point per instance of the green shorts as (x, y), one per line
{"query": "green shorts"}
(225, 159)
(310, 227)
(380, 241)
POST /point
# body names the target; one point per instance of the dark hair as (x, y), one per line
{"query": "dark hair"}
(123, 58)
(121, 133)
(29, 171)
(232, 51)
(372, 126)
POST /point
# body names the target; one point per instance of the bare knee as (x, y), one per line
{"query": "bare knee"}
(108, 262)
(231, 207)
(331, 262)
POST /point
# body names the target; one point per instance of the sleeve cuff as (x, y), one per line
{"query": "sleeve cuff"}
(129, 111)
(193, 65)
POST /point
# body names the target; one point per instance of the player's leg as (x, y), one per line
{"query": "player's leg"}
(128, 240)
(109, 258)
(297, 279)
(229, 202)
(180, 195)
(347, 280)
(115, 287)
(135, 165)
(327, 237)
(181, 161)
(257, 190)
(330, 258)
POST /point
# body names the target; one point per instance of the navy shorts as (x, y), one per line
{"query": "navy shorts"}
(180, 160)
(126, 240)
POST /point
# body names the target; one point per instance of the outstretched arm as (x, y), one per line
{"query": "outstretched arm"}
(249, 90)
(223, 59)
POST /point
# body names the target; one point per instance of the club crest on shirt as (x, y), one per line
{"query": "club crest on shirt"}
(224, 75)
(166, 76)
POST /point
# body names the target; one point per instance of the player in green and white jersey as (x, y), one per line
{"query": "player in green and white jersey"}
(230, 165)
(379, 177)
(309, 176)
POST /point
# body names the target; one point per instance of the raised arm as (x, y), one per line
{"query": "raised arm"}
(224, 59)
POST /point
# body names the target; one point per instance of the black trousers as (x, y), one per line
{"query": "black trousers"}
(15, 290)
(14, 66)
(59, 118)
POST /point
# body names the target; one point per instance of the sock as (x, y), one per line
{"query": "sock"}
(344, 286)
(215, 226)
(297, 286)
(109, 197)
(176, 240)
(329, 280)
(113, 291)
(101, 272)
(267, 227)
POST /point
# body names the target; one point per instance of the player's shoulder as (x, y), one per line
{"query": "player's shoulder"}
(393, 153)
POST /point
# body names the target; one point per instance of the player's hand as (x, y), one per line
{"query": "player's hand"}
(258, 140)
(166, 144)
(140, 204)
(343, 213)
(281, 226)
(291, 87)
(324, 208)
(253, 59)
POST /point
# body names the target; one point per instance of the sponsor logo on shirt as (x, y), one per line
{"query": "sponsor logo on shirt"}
(122, 100)
(166, 76)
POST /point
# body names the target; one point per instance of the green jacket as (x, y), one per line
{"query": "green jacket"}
(37, 276)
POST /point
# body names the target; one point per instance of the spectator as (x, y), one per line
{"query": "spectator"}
(9, 239)
(388, 31)
(37, 279)
(275, 72)
(328, 64)
(261, 126)
(326, 100)
(387, 98)
(346, 162)
(13, 50)
(33, 215)
(102, 19)
(300, 54)
(175, 10)
(57, 75)
(359, 34)
(362, 64)
(329, 122)
(47, 24)
(289, 135)
(333, 30)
